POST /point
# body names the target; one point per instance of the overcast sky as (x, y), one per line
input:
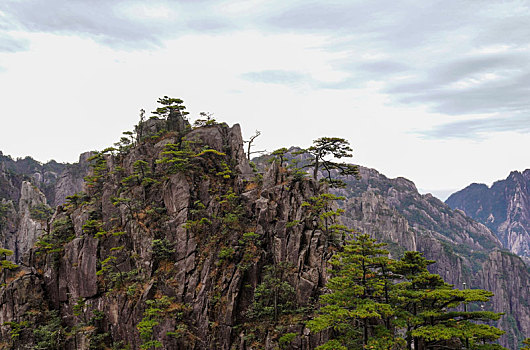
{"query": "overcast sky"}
(435, 91)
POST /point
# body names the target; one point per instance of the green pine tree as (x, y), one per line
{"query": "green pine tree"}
(357, 310)
(331, 147)
(427, 309)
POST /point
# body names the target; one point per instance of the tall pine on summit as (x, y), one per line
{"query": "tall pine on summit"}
(333, 147)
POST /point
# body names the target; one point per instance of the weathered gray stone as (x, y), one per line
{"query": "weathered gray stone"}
(80, 258)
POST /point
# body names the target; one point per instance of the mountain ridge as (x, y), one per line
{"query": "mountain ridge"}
(504, 207)
(215, 271)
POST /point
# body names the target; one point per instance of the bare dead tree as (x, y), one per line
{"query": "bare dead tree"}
(252, 138)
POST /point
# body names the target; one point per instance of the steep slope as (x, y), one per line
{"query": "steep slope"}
(504, 208)
(393, 211)
(28, 192)
(176, 234)
(166, 247)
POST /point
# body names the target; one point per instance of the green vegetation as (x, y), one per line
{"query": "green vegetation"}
(286, 339)
(321, 209)
(332, 147)
(92, 227)
(279, 156)
(358, 306)
(4, 210)
(4, 253)
(181, 157)
(159, 309)
(41, 212)
(367, 308)
(205, 119)
(226, 253)
(426, 303)
(162, 249)
(99, 170)
(274, 296)
(77, 200)
(169, 106)
(16, 328)
(177, 157)
(50, 334)
(62, 232)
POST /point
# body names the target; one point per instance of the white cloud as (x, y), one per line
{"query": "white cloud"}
(394, 79)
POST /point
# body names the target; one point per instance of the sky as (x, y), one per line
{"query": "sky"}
(434, 91)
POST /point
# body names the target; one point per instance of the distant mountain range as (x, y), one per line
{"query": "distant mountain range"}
(504, 208)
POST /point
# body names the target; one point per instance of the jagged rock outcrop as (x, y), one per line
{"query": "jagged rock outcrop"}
(55, 180)
(175, 233)
(71, 181)
(28, 192)
(504, 208)
(20, 225)
(179, 221)
(29, 228)
(44, 176)
(370, 213)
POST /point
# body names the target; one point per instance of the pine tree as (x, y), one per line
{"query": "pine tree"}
(333, 147)
(357, 309)
(325, 214)
(274, 295)
(6, 264)
(426, 305)
(170, 106)
(365, 308)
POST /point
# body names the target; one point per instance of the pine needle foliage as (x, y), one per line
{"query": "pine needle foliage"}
(375, 302)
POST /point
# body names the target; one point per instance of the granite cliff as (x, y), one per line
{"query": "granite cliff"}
(465, 251)
(193, 245)
(175, 235)
(29, 192)
(504, 208)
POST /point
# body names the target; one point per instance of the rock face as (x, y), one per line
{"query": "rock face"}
(55, 180)
(28, 192)
(393, 211)
(71, 180)
(504, 208)
(43, 176)
(502, 274)
(176, 231)
(29, 228)
(181, 223)
(19, 225)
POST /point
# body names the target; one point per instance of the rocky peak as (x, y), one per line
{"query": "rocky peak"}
(515, 176)
(405, 184)
(504, 208)
(71, 181)
(221, 224)
(180, 217)
(30, 197)
(27, 223)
